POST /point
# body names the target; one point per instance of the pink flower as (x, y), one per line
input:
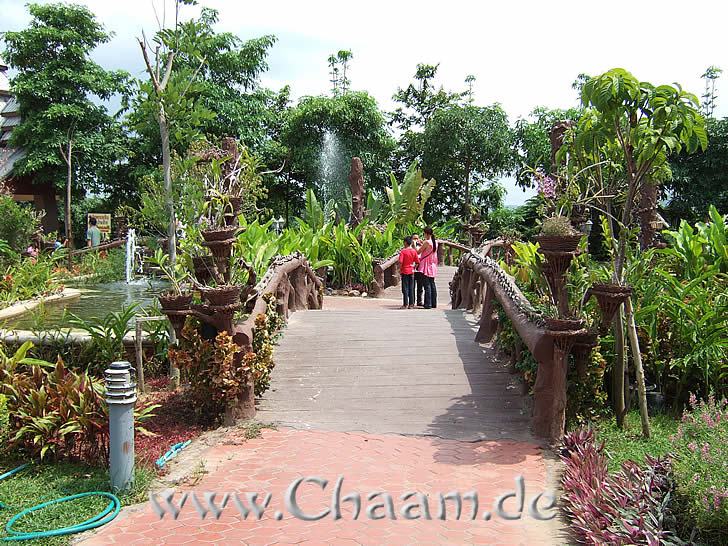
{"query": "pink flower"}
(708, 420)
(693, 400)
(692, 446)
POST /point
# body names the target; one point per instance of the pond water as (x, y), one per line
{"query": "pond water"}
(96, 301)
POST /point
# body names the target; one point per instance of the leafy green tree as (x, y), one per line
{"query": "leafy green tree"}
(701, 179)
(171, 96)
(228, 81)
(68, 137)
(347, 125)
(533, 145)
(417, 103)
(464, 149)
(646, 123)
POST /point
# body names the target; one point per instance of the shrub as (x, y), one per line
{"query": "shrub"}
(53, 411)
(215, 369)
(27, 279)
(701, 468)
(18, 223)
(629, 507)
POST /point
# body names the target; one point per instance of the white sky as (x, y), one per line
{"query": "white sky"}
(524, 53)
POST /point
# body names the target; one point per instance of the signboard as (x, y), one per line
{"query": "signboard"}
(103, 222)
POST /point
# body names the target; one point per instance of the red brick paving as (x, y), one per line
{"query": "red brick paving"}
(367, 462)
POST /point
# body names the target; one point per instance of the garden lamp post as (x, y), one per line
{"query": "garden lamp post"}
(278, 224)
(121, 397)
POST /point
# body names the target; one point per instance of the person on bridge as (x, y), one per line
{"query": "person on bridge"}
(419, 276)
(428, 267)
(407, 261)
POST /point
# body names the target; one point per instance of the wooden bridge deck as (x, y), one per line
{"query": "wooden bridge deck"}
(365, 365)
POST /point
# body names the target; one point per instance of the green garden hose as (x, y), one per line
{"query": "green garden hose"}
(102, 518)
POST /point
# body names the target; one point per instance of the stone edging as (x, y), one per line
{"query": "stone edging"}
(68, 294)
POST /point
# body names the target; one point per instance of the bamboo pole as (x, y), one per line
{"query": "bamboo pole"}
(639, 370)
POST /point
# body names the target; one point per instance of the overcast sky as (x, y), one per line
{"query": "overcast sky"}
(524, 53)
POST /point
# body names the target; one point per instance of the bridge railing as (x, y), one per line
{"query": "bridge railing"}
(478, 283)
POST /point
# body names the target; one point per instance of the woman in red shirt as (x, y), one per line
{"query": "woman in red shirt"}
(407, 260)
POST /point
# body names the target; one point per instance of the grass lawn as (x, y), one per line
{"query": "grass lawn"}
(43, 482)
(628, 444)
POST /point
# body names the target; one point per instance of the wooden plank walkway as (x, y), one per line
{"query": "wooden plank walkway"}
(365, 365)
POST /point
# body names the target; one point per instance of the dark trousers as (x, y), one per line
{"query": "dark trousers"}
(408, 289)
(419, 286)
(430, 293)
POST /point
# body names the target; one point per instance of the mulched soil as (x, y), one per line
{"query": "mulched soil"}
(173, 422)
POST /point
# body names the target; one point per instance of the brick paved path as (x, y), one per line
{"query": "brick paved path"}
(355, 400)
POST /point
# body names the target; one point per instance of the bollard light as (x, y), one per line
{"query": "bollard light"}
(121, 397)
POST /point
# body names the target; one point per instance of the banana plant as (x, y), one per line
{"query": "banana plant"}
(407, 200)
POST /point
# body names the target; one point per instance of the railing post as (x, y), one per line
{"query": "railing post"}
(378, 284)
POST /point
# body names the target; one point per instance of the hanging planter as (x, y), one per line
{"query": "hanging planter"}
(221, 296)
(173, 301)
(583, 346)
(554, 324)
(205, 268)
(609, 298)
(219, 234)
(558, 243)
(237, 204)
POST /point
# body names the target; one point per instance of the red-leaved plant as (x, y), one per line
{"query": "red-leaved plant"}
(629, 507)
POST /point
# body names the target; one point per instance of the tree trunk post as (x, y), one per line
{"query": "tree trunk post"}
(639, 370)
(168, 194)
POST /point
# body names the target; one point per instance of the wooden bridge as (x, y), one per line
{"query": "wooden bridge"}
(366, 365)
(386, 399)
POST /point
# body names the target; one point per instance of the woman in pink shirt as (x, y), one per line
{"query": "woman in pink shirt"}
(428, 267)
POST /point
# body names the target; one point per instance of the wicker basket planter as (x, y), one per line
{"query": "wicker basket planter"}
(204, 267)
(221, 295)
(558, 243)
(564, 325)
(221, 234)
(170, 301)
(609, 298)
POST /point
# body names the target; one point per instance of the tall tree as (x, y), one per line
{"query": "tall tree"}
(322, 134)
(417, 103)
(532, 143)
(465, 148)
(172, 94)
(701, 179)
(646, 123)
(68, 137)
(710, 97)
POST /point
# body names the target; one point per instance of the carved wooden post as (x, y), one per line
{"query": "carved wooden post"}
(395, 273)
(378, 284)
(464, 300)
(486, 329)
(549, 411)
(477, 297)
(356, 183)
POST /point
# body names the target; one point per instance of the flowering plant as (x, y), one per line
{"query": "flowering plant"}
(701, 467)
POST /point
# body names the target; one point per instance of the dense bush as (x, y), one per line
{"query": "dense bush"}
(28, 278)
(99, 266)
(55, 412)
(682, 309)
(627, 508)
(217, 371)
(701, 469)
(18, 223)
